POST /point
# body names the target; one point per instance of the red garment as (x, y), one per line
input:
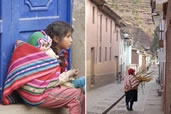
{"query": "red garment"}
(63, 56)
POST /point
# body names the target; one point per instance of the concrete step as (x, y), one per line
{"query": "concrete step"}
(23, 109)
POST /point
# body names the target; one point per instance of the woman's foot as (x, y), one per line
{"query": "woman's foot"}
(131, 105)
(130, 109)
(127, 106)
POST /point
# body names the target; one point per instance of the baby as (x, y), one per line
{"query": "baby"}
(42, 41)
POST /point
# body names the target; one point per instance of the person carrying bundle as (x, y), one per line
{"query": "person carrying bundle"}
(131, 83)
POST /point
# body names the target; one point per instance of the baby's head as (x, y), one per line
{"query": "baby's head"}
(40, 40)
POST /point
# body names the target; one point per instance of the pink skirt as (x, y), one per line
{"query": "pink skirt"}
(71, 98)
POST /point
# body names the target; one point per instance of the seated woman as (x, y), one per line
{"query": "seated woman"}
(34, 75)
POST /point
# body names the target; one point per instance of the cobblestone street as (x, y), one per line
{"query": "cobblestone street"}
(148, 100)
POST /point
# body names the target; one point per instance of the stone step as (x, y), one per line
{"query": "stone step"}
(23, 109)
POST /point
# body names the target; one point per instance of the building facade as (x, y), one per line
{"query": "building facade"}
(102, 43)
(125, 53)
(162, 18)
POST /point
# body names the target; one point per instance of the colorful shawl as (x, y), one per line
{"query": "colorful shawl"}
(130, 83)
(31, 73)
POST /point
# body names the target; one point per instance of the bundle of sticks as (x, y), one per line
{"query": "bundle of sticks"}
(144, 77)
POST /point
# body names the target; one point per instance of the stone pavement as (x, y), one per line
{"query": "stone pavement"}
(98, 100)
(149, 102)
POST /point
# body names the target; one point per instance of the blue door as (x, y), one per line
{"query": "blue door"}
(20, 18)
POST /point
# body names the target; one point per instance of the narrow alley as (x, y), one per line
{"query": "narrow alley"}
(148, 100)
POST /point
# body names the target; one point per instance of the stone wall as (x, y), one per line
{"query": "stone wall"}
(78, 46)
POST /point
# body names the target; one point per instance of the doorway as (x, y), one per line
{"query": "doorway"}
(92, 62)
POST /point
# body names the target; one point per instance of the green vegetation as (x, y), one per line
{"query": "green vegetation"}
(154, 46)
(115, 6)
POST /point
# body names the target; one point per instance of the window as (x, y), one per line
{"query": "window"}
(93, 15)
(100, 27)
(100, 54)
(117, 35)
(105, 53)
(114, 31)
(110, 31)
(115, 27)
(106, 23)
(110, 54)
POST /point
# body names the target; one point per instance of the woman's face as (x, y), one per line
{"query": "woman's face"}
(66, 42)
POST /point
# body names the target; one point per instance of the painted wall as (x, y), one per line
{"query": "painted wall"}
(128, 56)
(103, 37)
(123, 55)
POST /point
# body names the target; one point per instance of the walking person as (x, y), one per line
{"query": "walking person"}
(130, 87)
(119, 78)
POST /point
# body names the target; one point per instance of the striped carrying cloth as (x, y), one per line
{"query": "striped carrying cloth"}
(32, 73)
(130, 83)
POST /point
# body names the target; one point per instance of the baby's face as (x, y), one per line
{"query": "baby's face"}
(45, 46)
(45, 43)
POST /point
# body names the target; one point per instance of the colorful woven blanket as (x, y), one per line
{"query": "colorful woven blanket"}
(27, 64)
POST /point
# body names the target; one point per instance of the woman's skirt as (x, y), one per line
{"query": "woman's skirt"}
(131, 95)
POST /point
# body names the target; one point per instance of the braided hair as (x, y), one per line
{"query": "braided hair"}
(59, 29)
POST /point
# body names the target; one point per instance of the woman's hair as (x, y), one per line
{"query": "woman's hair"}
(59, 29)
